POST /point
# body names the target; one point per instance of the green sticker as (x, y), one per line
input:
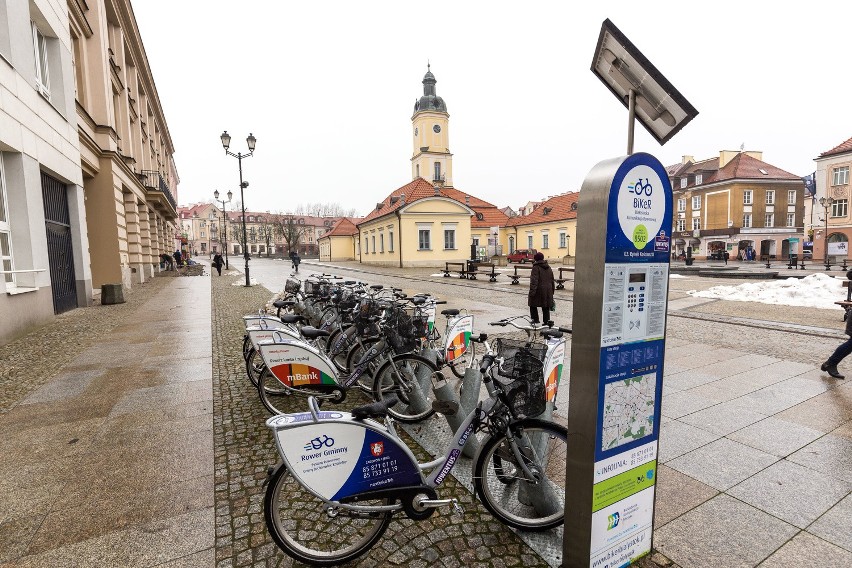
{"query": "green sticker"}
(640, 236)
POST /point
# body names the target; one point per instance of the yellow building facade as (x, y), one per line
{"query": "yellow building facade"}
(551, 229)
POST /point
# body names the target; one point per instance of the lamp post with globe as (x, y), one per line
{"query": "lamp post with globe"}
(251, 141)
(224, 222)
(826, 203)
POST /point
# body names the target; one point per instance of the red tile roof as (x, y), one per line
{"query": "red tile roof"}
(345, 227)
(421, 189)
(839, 149)
(742, 166)
(557, 208)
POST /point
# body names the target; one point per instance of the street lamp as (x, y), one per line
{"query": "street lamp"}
(251, 141)
(224, 221)
(826, 203)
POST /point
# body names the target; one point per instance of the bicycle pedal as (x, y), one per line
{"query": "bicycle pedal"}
(445, 407)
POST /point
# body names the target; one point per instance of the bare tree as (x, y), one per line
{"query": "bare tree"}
(324, 210)
(288, 228)
(267, 230)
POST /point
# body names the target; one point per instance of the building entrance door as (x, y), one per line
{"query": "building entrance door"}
(60, 250)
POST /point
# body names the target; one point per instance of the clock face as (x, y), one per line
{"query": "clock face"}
(436, 128)
(415, 132)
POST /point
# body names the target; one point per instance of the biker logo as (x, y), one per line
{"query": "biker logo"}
(377, 448)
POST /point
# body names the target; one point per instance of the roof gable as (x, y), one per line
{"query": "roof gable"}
(558, 208)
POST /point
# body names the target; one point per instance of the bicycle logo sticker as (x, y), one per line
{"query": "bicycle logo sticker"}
(377, 448)
(317, 443)
(640, 212)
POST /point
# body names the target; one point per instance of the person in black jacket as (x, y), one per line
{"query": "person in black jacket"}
(218, 262)
(542, 286)
(844, 349)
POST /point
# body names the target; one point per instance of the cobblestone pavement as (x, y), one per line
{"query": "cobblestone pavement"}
(245, 449)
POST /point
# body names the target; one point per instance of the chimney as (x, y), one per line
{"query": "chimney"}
(467, 199)
(686, 159)
(437, 190)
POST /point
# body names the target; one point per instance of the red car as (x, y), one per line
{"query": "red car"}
(522, 255)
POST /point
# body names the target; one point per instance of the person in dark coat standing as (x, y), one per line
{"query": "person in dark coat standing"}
(218, 262)
(542, 286)
(296, 261)
(844, 349)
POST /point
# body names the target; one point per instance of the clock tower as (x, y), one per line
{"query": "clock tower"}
(431, 158)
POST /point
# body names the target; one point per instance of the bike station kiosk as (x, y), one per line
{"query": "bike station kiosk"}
(621, 298)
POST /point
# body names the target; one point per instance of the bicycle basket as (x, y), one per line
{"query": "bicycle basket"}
(523, 382)
(291, 286)
(367, 310)
(401, 331)
(508, 348)
(317, 288)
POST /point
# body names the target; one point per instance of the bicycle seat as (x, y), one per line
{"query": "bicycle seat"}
(378, 409)
(450, 312)
(292, 318)
(309, 332)
(349, 282)
(376, 287)
(418, 300)
(554, 333)
(283, 303)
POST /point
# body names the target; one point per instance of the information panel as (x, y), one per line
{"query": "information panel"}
(617, 391)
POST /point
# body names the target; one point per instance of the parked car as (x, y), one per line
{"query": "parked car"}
(808, 254)
(522, 255)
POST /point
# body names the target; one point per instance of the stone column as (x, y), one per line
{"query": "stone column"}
(134, 245)
(145, 242)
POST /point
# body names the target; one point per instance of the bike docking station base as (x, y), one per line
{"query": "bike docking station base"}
(624, 248)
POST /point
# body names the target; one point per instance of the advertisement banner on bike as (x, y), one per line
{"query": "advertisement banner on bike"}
(458, 337)
(553, 368)
(295, 364)
(339, 459)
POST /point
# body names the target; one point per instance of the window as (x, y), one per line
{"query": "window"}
(563, 240)
(366, 244)
(841, 176)
(681, 205)
(681, 225)
(374, 244)
(449, 239)
(696, 203)
(382, 243)
(529, 241)
(204, 223)
(476, 241)
(418, 170)
(770, 197)
(791, 197)
(791, 219)
(696, 223)
(202, 234)
(390, 242)
(437, 171)
(545, 241)
(769, 220)
(5, 234)
(698, 179)
(213, 215)
(424, 240)
(746, 220)
(840, 208)
(41, 67)
(747, 197)
(682, 183)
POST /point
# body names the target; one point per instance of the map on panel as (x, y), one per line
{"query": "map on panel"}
(628, 412)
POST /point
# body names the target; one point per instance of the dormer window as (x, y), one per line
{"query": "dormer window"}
(698, 179)
(682, 182)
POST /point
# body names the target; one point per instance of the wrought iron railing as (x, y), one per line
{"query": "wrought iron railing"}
(154, 181)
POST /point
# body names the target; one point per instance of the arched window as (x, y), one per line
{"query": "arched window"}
(418, 170)
(437, 171)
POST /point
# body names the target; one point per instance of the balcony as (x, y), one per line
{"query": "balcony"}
(158, 191)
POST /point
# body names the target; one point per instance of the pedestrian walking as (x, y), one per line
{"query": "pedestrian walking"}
(218, 262)
(542, 286)
(296, 261)
(844, 349)
(727, 256)
(167, 261)
(177, 256)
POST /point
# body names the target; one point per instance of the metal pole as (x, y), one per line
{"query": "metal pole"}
(631, 119)
(225, 224)
(825, 235)
(245, 237)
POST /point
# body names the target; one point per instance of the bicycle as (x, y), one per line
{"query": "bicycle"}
(456, 352)
(331, 505)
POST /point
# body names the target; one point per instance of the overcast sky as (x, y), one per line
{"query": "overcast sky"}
(328, 88)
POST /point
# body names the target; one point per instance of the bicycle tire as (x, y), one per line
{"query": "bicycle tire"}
(275, 398)
(247, 346)
(460, 364)
(254, 365)
(512, 500)
(406, 367)
(301, 526)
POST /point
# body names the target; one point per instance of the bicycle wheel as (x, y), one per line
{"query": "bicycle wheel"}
(405, 376)
(302, 525)
(273, 395)
(459, 364)
(247, 346)
(254, 365)
(511, 496)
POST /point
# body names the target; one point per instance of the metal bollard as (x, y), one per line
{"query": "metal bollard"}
(418, 397)
(445, 391)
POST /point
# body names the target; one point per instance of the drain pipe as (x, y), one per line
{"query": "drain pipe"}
(399, 232)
